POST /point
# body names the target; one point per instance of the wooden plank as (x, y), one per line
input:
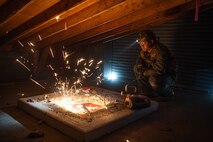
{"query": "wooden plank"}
(2, 2)
(9, 8)
(155, 20)
(164, 17)
(73, 20)
(63, 12)
(31, 24)
(149, 22)
(31, 9)
(132, 17)
(106, 16)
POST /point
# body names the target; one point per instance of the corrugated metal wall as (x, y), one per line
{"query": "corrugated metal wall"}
(191, 42)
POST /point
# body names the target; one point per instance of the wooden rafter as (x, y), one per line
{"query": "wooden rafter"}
(37, 21)
(149, 22)
(138, 15)
(2, 2)
(31, 9)
(113, 13)
(9, 8)
(86, 21)
(71, 22)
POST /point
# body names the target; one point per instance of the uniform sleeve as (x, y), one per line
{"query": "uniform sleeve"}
(158, 66)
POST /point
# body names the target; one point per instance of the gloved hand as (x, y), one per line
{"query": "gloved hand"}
(146, 74)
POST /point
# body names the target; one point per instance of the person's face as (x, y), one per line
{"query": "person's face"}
(144, 45)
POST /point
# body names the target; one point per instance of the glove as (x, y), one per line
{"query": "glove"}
(146, 74)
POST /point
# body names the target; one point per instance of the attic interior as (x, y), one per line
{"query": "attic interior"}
(46, 43)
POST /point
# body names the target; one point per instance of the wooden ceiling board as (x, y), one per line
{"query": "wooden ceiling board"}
(23, 23)
(36, 21)
(105, 16)
(31, 9)
(70, 21)
(132, 17)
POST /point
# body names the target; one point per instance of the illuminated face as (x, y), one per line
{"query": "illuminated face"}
(144, 45)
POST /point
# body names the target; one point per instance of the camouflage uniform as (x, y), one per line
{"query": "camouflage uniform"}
(160, 69)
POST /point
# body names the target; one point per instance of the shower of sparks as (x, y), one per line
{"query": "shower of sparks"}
(51, 52)
(79, 105)
(65, 26)
(73, 97)
(39, 37)
(20, 43)
(37, 83)
(22, 64)
(87, 72)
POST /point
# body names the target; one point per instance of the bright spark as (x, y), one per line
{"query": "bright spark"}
(39, 37)
(20, 94)
(31, 44)
(56, 76)
(22, 64)
(20, 43)
(37, 83)
(91, 61)
(79, 61)
(99, 62)
(67, 62)
(51, 67)
(66, 55)
(57, 18)
(51, 52)
(32, 50)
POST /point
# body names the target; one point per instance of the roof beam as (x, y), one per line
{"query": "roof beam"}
(64, 9)
(9, 8)
(138, 15)
(43, 19)
(149, 22)
(31, 9)
(58, 30)
(2, 2)
(120, 10)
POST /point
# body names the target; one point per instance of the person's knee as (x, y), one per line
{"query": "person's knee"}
(153, 82)
(156, 85)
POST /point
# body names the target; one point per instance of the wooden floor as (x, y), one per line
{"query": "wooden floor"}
(186, 118)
